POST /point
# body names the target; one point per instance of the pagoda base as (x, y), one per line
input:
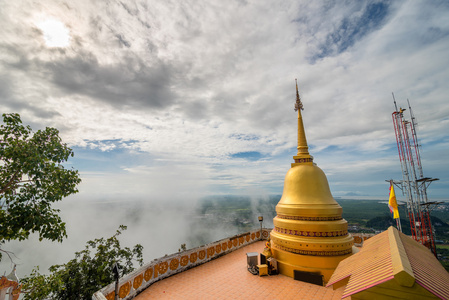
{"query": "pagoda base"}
(288, 262)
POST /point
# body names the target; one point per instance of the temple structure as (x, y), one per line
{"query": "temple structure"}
(309, 232)
(310, 239)
(391, 265)
(10, 288)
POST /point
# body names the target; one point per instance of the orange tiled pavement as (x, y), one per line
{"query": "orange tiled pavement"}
(227, 278)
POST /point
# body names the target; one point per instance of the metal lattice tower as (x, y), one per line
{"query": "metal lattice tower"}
(413, 184)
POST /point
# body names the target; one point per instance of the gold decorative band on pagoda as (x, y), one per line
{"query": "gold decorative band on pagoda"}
(299, 218)
(303, 160)
(311, 233)
(314, 253)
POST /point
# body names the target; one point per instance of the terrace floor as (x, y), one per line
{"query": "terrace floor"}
(227, 278)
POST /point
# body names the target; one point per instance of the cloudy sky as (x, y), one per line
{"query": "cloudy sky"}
(181, 99)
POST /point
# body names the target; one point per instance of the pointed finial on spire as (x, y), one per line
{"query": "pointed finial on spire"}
(303, 156)
(13, 276)
(298, 104)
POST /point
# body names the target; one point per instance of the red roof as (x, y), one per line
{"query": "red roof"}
(428, 271)
(392, 255)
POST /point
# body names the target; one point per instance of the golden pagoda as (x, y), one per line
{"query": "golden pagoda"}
(309, 235)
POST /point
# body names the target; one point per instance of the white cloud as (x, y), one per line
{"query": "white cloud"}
(180, 81)
(166, 100)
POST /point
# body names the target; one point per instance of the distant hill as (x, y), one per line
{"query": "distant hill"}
(239, 213)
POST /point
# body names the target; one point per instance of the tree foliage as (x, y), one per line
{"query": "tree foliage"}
(88, 272)
(381, 222)
(32, 177)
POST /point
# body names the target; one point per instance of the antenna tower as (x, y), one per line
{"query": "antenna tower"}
(413, 184)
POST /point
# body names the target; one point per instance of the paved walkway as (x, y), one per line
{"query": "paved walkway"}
(227, 278)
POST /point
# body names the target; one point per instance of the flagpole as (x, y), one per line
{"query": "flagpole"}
(398, 224)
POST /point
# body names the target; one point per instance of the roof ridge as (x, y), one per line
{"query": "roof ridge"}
(402, 269)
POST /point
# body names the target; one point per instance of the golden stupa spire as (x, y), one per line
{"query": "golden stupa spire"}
(310, 234)
(303, 155)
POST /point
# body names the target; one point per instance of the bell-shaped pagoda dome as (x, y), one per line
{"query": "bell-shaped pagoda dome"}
(309, 232)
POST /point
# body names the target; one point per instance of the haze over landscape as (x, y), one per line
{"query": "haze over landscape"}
(166, 101)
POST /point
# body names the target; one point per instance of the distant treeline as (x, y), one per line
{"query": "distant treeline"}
(242, 212)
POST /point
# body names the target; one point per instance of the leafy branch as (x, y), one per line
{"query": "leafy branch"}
(32, 178)
(89, 271)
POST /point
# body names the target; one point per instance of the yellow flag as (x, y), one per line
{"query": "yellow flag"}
(392, 203)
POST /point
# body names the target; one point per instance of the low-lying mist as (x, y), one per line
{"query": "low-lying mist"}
(159, 226)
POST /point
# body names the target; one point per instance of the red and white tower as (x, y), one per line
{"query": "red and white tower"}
(413, 184)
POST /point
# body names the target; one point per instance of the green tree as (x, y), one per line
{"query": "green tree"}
(32, 178)
(381, 222)
(88, 272)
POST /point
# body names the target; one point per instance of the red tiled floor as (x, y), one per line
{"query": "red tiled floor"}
(227, 278)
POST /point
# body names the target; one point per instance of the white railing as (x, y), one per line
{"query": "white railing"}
(133, 283)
